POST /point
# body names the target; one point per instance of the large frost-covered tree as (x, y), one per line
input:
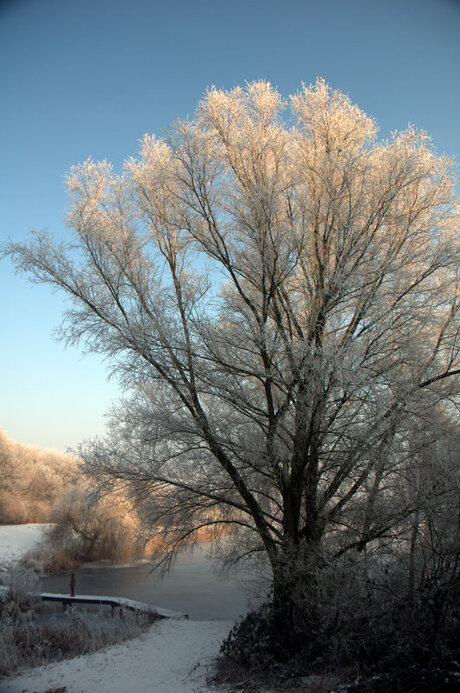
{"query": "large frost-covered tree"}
(275, 287)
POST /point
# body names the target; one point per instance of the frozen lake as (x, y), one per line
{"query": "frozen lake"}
(192, 586)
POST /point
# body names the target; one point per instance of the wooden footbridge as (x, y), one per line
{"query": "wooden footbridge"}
(114, 602)
(68, 600)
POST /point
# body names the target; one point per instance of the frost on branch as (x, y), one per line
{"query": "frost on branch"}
(275, 288)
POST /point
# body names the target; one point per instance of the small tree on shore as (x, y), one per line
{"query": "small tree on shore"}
(275, 288)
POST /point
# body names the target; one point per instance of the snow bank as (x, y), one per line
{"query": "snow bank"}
(17, 540)
(173, 657)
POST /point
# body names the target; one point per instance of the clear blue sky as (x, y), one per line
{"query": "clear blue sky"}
(90, 77)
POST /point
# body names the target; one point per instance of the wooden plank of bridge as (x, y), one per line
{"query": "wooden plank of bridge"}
(113, 602)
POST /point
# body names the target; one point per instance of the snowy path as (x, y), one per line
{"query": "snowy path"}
(173, 657)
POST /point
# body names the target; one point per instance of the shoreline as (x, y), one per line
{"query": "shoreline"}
(172, 655)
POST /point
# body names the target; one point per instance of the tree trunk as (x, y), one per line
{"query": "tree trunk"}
(294, 603)
(284, 607)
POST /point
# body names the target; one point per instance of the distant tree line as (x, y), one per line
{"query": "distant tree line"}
(31, 481)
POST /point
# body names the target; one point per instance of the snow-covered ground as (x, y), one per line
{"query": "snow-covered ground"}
(172, 657)
(17, 540)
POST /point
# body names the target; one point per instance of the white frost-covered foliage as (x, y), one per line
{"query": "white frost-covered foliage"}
(31, 480)
(275, 288)
(85, 528)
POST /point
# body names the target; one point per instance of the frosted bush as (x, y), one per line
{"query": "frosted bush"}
(21, 584)
(26, 642)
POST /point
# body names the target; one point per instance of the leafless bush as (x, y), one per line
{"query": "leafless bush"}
(21, 588)
(354, 617)
(85, 528)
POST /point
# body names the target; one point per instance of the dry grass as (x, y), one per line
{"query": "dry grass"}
(30, 636)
